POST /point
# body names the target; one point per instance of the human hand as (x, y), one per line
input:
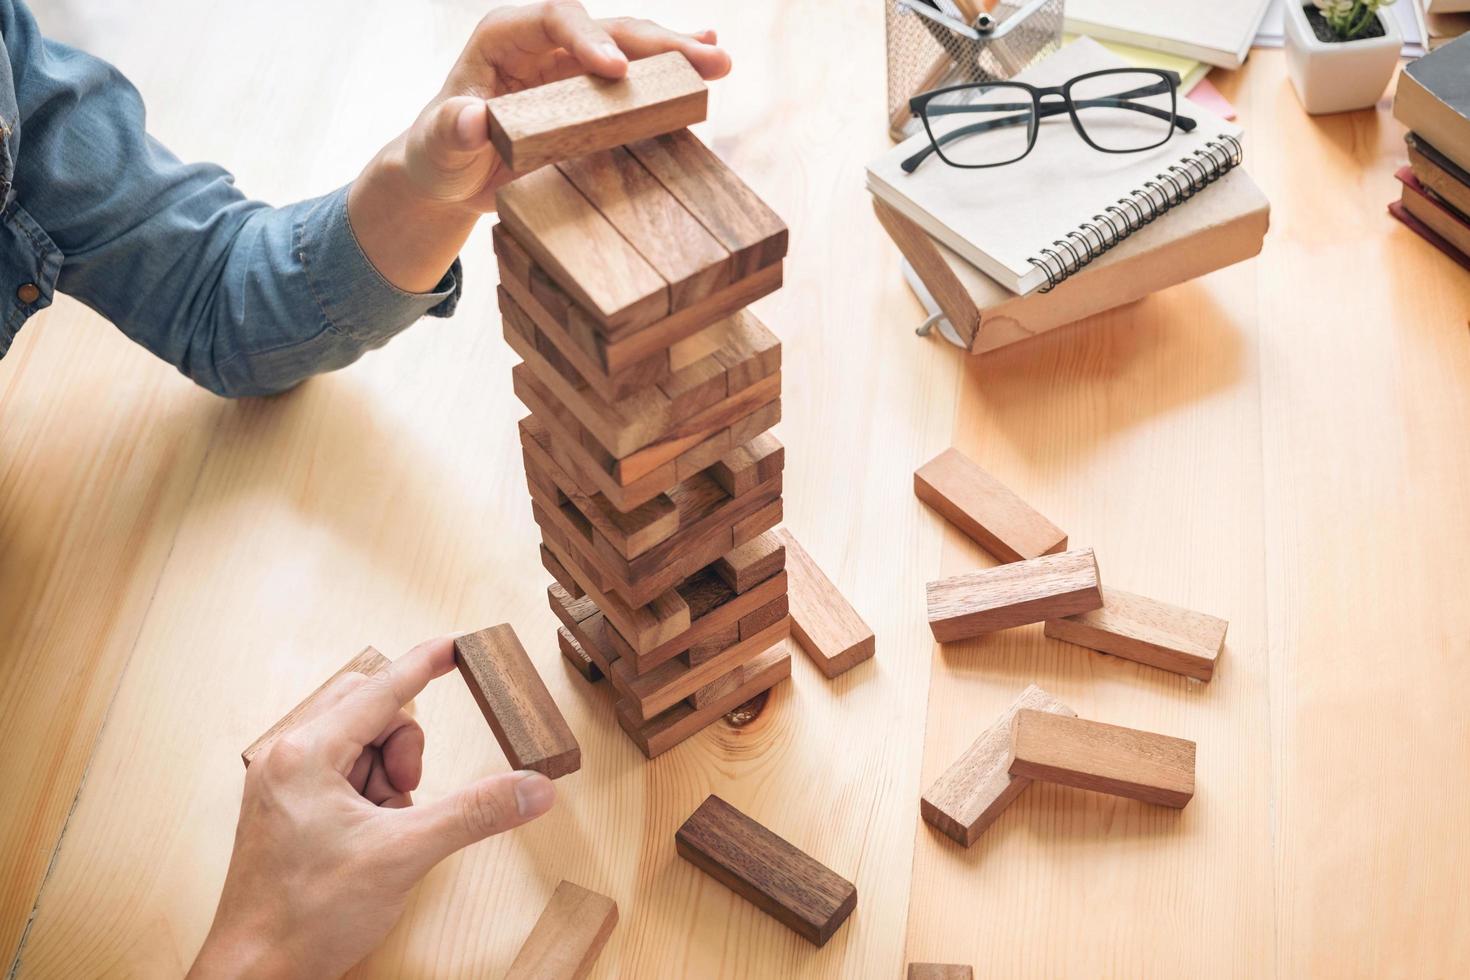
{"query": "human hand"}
(414, 204)
(329, 844)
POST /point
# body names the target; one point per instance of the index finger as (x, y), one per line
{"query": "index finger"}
(364, 712)
(542, 28)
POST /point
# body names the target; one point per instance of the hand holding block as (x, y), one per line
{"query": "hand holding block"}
(526, 722)
(1106, 758)
(825, 624)
(541, 125)
(1013, 595)
(1135, 627)
(985, 509)
(565, 941)
(765, 870)
(971, 794)
(368, 663)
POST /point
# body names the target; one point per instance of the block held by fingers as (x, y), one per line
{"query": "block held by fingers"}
(526, 721)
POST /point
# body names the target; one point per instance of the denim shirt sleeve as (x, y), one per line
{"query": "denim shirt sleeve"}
(243, 298)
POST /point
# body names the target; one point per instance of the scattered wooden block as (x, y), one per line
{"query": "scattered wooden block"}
(657, 735)
(547, 123)
(1106, 758)
(573, 653)
(653, 221)
(825, 624)
(1022, 592)
(751, 563)
(368, 663)
(526, 722)
(582, 251)
(985, 509)
(765, 870)
(1151, 632)
(939, 971)
(712, 192)
(567, 938)
(971, 794)
(646, 695)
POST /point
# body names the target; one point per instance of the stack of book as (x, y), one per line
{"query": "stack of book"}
(1006, 253)
(1433, 100)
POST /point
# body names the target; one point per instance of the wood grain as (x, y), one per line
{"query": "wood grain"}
(973, 792)
(575, 654)
(749, 564)
(1086, 754)
(985, 509)
(1012, 595)
(940, 971)
(653, 221)
(526, 721)
(645, 627)
(566, 940)
(831, 632)
(749, 464)
(647, 694)
(1151, 632)
(765, 870)
(547, 123)
(581, 250)
(367, 663)
(715, 195)
(714, 608)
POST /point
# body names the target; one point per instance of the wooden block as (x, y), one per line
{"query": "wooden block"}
(653, 221)
(749, 464)
(825, 624)
(722, 202)
(645, 627)
(588, 628)
(573, 653)
(752, 425)
(939, 971)
(547, 123)
(774, 611)
(684, 435)
(560, 574)
(985, 509)
(625, 348)
(367, 663)
(708, 619)
(657, 735)
(1151, 632)
(566, 940)
(757, 523)
(673, 681)
(971, 794)
(526, 722)
(765, 870)
(751, 563)
(1106, 758)
(1022, 592)
(708, 649)
(581, 250)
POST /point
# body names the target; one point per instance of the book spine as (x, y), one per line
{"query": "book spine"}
(1166, 190)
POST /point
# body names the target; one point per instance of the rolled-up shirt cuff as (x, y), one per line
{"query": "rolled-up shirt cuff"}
(353, 296)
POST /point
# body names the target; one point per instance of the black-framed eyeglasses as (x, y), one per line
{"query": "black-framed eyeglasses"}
(990, 124)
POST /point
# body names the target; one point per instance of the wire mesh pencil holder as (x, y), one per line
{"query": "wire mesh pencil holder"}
(931, 45)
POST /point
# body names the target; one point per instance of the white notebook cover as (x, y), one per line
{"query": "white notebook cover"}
(999, 218)
(1218, 32)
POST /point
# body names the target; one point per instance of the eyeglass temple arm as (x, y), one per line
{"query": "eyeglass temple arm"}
(909, 165)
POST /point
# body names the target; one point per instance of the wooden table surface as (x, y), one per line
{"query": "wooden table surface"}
(1282, 443)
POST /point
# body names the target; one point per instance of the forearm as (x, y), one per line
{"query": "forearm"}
(410, 240)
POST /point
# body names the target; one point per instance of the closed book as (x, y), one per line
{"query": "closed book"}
(1439, 174)
(1433, 99)
(1032, 223)
(1217, 32)
(1440, 218)
(1217, 230)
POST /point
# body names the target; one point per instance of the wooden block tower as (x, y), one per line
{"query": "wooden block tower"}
(626, 264)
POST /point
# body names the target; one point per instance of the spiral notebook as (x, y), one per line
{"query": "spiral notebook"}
(1031, 224)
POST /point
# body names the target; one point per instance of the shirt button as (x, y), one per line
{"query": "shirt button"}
(28, 293)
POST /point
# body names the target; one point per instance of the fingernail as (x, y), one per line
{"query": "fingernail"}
(534, 795)
(612, 51)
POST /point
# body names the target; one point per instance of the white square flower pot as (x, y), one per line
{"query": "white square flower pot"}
(1340, 75)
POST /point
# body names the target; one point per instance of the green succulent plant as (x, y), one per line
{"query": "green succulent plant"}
(1348, 19)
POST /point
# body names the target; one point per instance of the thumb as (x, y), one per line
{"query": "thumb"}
(483, 809)
(458, 127)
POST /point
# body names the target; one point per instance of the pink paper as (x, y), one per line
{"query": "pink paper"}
(1205, 93)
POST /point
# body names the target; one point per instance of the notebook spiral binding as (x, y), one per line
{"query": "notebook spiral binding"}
(1177, 184)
